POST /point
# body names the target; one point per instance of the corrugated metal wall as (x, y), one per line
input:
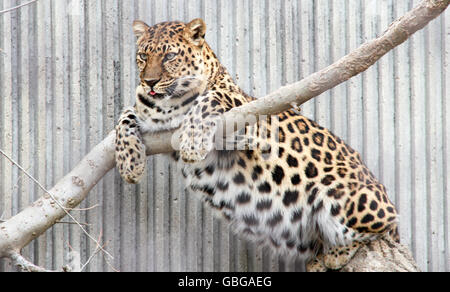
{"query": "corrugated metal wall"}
(67, 69)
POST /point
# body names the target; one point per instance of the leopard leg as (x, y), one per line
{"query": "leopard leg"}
(337, 257)
(316, 265)
(130, 151)
(334, 259)
(198, 129)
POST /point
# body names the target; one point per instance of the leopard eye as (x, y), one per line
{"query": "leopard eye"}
(169, 56)
(143, 56)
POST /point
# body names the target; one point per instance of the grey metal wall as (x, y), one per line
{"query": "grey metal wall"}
(67, 68)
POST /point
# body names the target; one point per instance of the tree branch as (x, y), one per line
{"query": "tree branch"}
(55, 200)
(70, 191)
(24, 265)
(19, 230)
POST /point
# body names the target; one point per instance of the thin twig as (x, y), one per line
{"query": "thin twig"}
(54, 199)
(66, 222)
(17, 7)
(83, 209)
(110, 265)
(61, 222)
(97, 249)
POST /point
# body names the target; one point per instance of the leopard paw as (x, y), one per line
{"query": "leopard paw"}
(316, 265)
(130, 151)
(194, 149)
(193, 156)
(197, 140)
(337, 257)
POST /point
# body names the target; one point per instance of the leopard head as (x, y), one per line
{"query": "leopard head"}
(170, 58)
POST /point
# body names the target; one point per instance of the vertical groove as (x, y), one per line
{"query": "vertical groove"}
(446, 134)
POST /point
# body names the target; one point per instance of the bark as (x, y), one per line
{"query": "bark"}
(382, 255)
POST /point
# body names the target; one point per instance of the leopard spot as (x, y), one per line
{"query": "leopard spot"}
(318, 138)
(311, 170)
(309, 186)
(377, 225)
(296, 145)
(316, 208)
(351, 209)
(302, 126)
(239, 178)
(275, 219)
(328, 158)
(302, 248)
(390, 219)
(360, 176)
(290, 243)
(312, 196)
(241, 163)
(281, 135)
(315, 154)
(278, 175)
(280, 152)
(352, 222)
(208, 190)
(243, 198)
(368, 218)
(295, 179)
(296, 215)
(222, 186)
(381, 214)
(362, 202)
(306, 141)
(290, 197)
(264, 204)
(198, 173)
(328, 180)
(373, 205)
(210, 169)
(331, 144)
(265, 187)
(290, 128)
(292, 161)
(257, 170)
(250, 219)
(342, 172)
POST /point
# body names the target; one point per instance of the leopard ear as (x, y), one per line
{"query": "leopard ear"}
(195, 32)
(139, 28)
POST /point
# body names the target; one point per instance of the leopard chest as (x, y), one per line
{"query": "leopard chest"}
(234, 186)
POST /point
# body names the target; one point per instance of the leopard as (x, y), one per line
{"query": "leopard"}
(294, 186)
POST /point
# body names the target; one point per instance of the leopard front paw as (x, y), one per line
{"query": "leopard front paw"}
(130, 151)
(193, 156)
(197, 141)
(194, 149)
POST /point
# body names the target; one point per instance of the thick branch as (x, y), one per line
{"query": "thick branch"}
(70, 191)
(24, 265)
(19, 230)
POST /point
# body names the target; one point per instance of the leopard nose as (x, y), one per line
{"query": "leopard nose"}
(151, 82)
